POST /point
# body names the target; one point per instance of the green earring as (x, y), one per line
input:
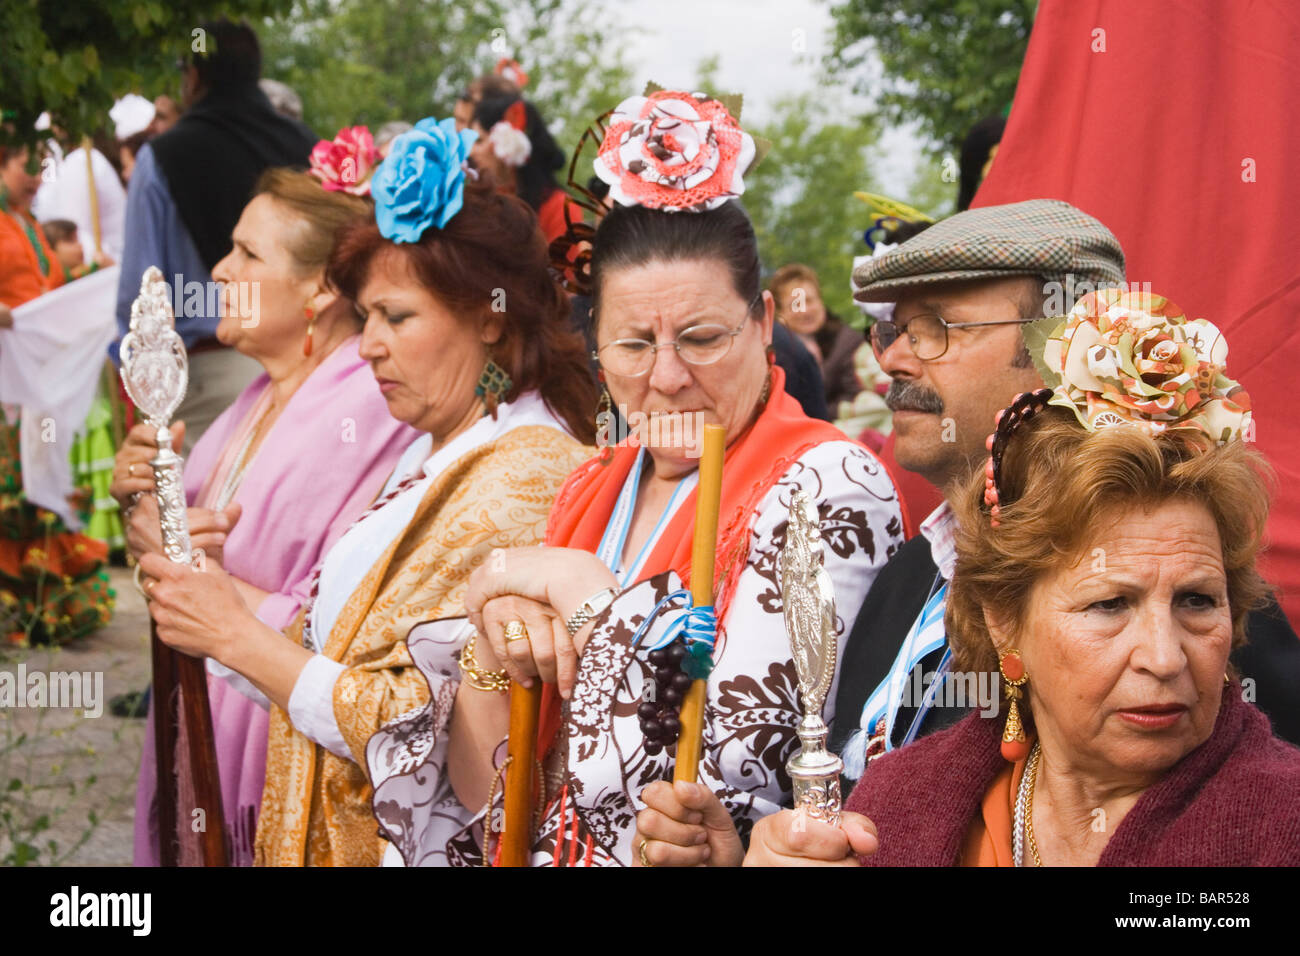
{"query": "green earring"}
(493, 385)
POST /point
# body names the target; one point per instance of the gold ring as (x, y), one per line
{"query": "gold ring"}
(515, 631)
(130, 470)
(640, 851)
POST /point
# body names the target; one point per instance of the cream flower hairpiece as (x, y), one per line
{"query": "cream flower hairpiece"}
(1135, 358)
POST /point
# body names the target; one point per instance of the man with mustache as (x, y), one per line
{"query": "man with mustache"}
(962, 292)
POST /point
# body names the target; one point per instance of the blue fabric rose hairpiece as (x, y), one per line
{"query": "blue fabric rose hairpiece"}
(421, 183)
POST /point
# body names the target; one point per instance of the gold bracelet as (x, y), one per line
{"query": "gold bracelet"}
(478, 678)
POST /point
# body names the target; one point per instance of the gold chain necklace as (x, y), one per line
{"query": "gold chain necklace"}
(1031, 771)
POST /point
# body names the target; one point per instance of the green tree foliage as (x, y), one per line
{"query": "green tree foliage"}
(801, 196)
(947, 63)
(933, 189)
(370, 61)
(75, 58)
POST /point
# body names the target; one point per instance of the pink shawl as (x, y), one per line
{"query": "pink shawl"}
(321, 464)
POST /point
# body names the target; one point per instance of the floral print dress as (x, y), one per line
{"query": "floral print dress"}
(598, 766)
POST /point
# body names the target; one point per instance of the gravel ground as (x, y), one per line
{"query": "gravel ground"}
(64, 749)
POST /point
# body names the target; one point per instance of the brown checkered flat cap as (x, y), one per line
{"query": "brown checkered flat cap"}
(1040, 237)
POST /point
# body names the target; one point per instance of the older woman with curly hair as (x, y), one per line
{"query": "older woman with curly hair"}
(1105, 568)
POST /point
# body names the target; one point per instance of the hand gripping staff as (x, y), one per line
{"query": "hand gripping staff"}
(155, 373)
(517, 836)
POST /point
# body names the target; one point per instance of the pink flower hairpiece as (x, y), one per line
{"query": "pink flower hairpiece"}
(346, 163)
(1135, 357)
(674, 151)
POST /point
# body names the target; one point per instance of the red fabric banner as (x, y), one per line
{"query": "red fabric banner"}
(1175, 124)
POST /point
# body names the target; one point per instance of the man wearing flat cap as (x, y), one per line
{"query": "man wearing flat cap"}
(962, 291)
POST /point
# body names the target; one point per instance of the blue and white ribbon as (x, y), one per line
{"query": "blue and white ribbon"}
(927, 635)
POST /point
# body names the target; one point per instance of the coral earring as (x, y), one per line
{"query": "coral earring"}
(1013, 752)
(310, 315)
(1014, 745)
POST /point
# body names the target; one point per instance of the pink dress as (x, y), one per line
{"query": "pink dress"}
(321, 464)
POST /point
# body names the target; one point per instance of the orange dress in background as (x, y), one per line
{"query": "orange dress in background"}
(550, 215)
(22, 277)
(53, 582)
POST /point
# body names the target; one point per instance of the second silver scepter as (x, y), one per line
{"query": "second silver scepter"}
(809, 603)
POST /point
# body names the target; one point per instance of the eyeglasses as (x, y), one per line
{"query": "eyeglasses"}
(927, 333)
(699, 345)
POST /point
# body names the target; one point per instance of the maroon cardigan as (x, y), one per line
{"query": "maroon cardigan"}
(1233, 801)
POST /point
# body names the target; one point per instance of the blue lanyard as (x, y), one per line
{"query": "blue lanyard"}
(620, 522)
(884, 701)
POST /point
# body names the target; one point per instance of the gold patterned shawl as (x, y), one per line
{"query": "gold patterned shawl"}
(316, 805)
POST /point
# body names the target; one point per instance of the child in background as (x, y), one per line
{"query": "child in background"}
(62, 236)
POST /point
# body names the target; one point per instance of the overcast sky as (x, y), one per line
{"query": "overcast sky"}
(757, 45)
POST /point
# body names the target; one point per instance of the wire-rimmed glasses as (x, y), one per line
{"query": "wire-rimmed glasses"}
(927, 333)
(704, 344)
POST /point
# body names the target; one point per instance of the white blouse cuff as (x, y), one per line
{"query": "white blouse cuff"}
(237, 681)
(311, 705)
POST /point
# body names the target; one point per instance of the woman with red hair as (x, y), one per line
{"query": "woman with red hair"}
(467, 336)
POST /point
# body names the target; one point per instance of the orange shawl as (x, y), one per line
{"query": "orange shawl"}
(754, 462)
(988, 842)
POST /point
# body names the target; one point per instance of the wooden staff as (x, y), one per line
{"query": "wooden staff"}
(86, 147)
(180, 689)
(180, 693)
(521, 750)
(708, 503)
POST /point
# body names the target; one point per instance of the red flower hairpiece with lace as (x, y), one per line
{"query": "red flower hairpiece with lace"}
(674, 151)
(345, 163)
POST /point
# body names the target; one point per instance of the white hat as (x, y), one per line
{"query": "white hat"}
(130, 115)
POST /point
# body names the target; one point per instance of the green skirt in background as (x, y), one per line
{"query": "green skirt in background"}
(92, 467)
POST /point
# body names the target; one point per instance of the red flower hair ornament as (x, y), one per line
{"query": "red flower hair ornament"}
(674, 151)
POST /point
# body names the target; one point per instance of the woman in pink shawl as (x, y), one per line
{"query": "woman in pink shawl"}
(280, 474)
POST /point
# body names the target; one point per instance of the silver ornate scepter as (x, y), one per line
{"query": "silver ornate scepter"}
(155, 372)
(809, 602)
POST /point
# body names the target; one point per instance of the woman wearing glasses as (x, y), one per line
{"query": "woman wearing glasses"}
(682, 330)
